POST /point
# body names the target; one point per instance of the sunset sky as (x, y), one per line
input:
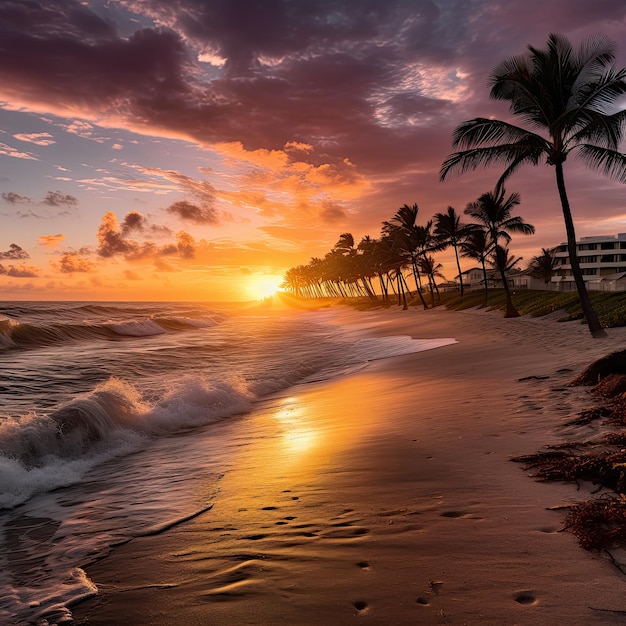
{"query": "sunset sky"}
(195, 150)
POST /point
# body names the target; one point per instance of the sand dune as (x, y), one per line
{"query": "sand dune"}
(388, 496)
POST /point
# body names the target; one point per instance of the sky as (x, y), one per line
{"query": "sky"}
(195, 150)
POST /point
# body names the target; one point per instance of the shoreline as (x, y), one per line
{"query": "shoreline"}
(389, 494)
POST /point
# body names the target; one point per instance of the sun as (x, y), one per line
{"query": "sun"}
(263, 286)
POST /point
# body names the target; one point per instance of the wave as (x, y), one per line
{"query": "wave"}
(40, 452)
(15, 334)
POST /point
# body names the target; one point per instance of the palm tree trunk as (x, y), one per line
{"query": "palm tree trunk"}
(595, 328)
(482, 261)
(511, 311)
(418, 282)
(458, 267)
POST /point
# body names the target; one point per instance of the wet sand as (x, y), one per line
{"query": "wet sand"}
(388, 496)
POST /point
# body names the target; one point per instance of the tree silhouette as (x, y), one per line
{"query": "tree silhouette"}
(451, 232)
(493, 211)
(543, 265)
(477, 246)
(568, 98)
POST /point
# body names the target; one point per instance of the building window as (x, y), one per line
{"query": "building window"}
(607, 258)
(588, 246)
(607, 246)
(588, 271)
(588, 259)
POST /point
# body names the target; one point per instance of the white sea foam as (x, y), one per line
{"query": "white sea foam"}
(44, 452)
(198, 368)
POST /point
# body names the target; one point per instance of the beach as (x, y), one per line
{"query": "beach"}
(387, 495)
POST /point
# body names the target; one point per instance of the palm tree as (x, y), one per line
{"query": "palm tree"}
(504, 262)
(493, 211)
(543, 265)
(406, 236)
(569, 97)
(430, 268)
(452, 232)
(477, 246)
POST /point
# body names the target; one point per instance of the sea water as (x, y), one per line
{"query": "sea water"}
(111, 417)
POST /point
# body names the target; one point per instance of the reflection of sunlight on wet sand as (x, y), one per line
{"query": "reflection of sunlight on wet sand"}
(298, 437)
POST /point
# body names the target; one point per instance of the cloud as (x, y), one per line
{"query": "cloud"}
(14, 252)
(56, 198)
(16, 154)
(113, 240)
(130, 275)
(161, 265)
(14, 198)
(332, 213)
(110, 238)
(19, 272)
(50, 241)
(186, 245)
(40, 139)
(133, 221)
(73, 262)
(193, 213)
(331, 109)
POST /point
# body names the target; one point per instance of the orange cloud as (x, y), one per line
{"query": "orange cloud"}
(295, 175)
(50, 241)
(73, 262)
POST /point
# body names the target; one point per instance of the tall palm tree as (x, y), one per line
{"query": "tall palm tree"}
(477, 246)
(493, 211)
(543, 265)
(404, 231)
(451, 232)
(430, 268)
(568, 98)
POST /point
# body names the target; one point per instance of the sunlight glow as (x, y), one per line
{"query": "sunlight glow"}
(263, 286)
(298, 437)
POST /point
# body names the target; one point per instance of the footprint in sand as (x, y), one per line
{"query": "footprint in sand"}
(363, 565)
(460, 515)
(360, 606)
(525, 597)
(269, 508)
(423, 601)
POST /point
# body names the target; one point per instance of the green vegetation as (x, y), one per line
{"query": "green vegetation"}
(610, 306)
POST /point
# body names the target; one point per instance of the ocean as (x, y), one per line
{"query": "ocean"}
(111, 418)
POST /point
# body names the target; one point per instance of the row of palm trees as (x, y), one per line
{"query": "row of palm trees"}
(569, 102)
(405, 250)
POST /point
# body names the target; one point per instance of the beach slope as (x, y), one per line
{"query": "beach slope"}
(388, 495)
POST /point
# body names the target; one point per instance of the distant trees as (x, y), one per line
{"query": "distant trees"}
(568, 100)
(543, 266)
(452, 232)
(406, 248)
(493, 210)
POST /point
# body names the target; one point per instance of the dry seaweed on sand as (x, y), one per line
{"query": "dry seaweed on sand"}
(589, 415)
(599, 524)
(614, 363)
(604, 468)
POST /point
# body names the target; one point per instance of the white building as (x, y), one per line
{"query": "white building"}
(602, 262)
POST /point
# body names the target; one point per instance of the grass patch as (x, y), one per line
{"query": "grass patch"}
(610, 307)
